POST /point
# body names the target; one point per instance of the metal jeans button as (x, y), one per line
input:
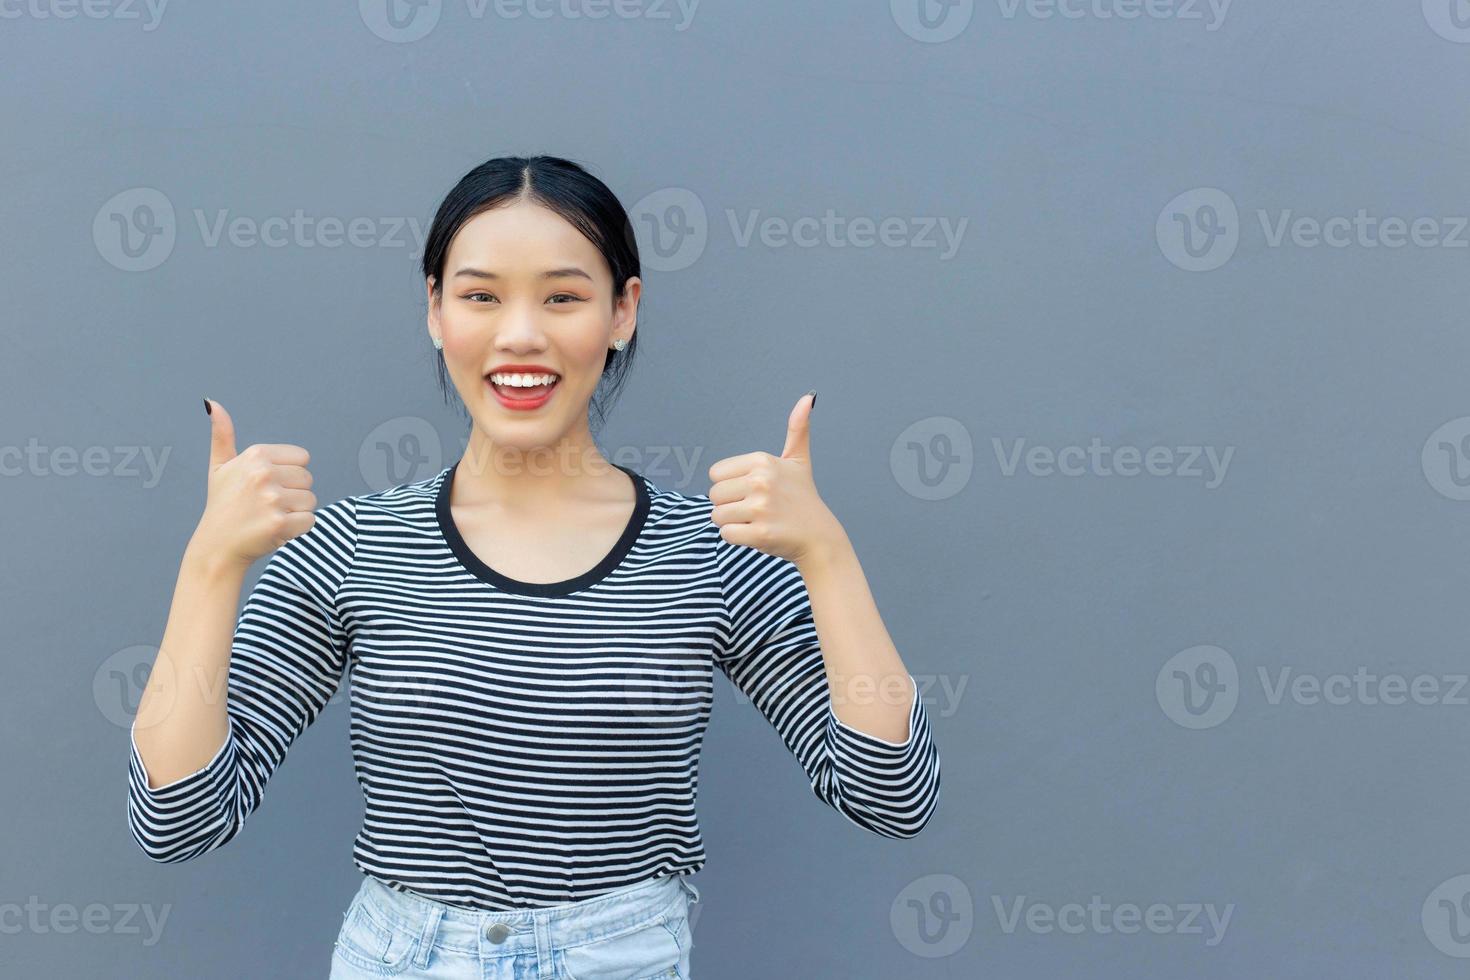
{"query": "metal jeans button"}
(497, 932)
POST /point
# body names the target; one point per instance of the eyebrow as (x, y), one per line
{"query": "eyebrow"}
(562, 273)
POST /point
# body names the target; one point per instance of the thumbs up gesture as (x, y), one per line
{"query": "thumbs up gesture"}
(258, 499)
(770, 502)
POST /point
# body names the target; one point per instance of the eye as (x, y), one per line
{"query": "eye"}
(471, 296)
(574, 299)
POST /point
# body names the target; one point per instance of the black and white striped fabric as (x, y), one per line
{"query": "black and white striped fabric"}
(523, 744)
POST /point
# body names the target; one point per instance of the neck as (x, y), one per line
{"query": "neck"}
(531, 475)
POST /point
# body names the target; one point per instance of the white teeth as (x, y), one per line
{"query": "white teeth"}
(524, 380)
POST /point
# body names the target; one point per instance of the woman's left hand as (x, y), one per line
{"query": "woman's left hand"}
(771, 502)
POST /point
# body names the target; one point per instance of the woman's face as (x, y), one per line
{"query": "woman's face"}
(525, 290)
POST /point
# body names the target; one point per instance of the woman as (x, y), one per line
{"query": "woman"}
(530, 634)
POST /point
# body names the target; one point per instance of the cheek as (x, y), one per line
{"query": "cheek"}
(456, 344)
(588, 350)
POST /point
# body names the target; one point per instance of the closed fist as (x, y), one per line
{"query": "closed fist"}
(771, 503)
(258, 499)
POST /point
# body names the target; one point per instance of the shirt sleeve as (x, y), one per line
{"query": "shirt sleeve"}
(770, 652)
(287, 657)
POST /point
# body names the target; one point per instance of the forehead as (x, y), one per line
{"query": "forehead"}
(522, 236)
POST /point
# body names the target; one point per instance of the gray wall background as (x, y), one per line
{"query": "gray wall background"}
(1102, 654)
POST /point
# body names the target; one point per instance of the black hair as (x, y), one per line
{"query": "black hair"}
(569, 190)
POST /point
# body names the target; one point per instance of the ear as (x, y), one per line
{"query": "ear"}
(433, 304)
(625, 313)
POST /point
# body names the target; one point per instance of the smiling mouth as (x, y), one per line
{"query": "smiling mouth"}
(522, 387)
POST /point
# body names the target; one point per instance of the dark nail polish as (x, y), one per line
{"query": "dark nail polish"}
(208, 410)
(813, 393)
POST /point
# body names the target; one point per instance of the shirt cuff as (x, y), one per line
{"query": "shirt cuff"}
(211, 779)
(846, 737)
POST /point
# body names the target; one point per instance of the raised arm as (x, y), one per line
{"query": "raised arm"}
(804, 639)
(220, 710)
(285, 662)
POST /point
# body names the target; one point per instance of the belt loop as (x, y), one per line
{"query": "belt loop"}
(426, 939)
(545, 952)
(689, 885)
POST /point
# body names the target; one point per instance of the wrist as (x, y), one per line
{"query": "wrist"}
(826, 553)
(207, 563)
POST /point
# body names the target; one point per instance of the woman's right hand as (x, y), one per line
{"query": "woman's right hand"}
(258, 499)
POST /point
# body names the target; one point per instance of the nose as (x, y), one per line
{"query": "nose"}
(519, 330)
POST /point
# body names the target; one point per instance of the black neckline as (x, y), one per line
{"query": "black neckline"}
(592, 576)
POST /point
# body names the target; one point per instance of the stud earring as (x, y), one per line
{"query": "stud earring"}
(619, 344)
(438, 343)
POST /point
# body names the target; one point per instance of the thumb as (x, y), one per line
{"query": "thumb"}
(221, 434)
(799, 429)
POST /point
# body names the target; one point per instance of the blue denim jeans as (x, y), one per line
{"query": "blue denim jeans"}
(633, 933)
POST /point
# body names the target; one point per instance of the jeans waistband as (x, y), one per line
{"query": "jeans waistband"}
(559, 926)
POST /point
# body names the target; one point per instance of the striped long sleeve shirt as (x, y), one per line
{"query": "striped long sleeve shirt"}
(523, 744)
